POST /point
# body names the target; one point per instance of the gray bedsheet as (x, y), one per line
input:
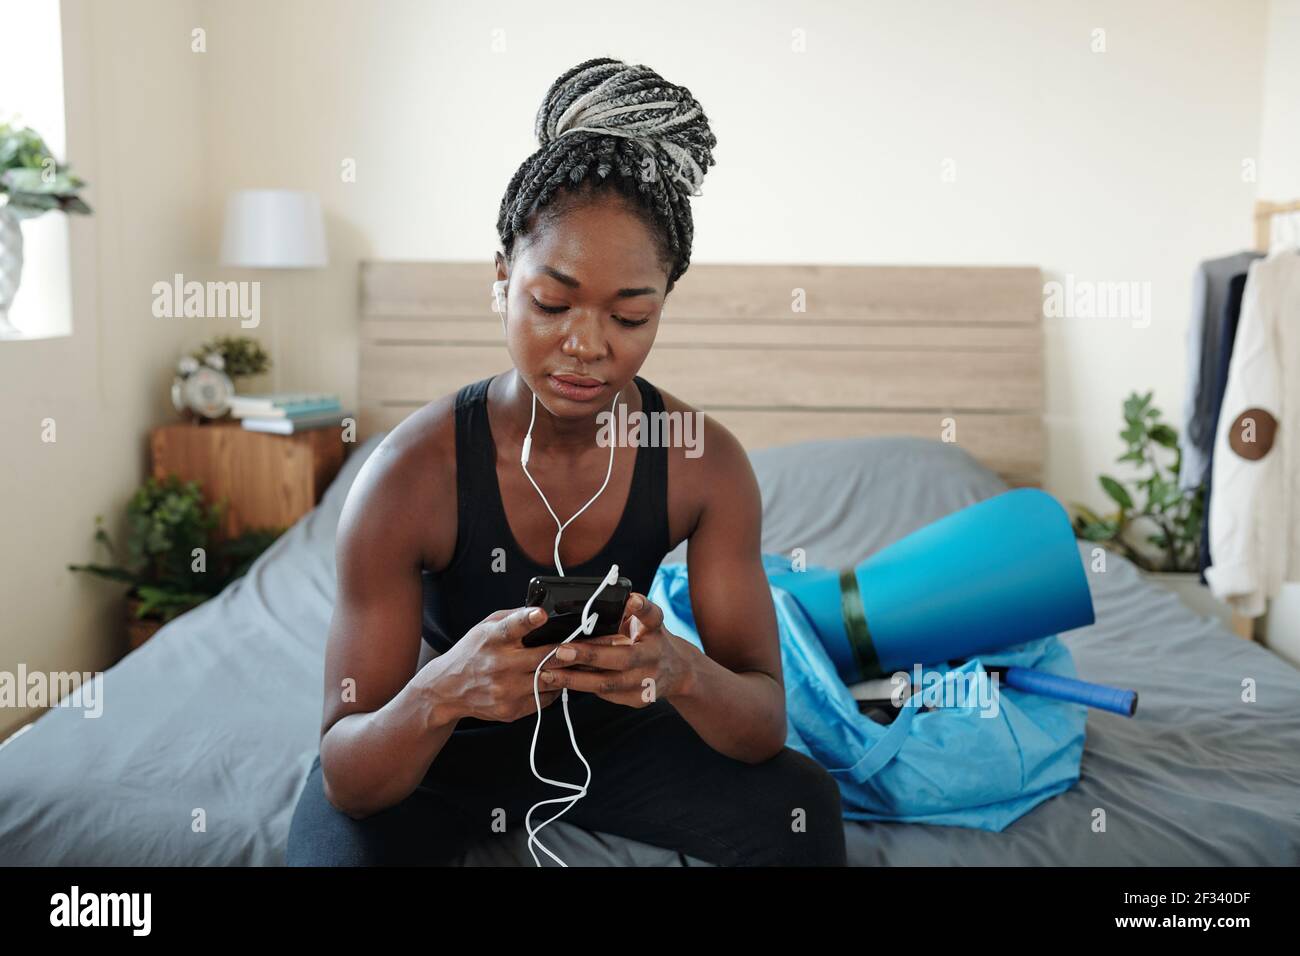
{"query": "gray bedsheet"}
(208, 729)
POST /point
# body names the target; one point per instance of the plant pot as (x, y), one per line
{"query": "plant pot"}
(1197, 596)
(139, 630)
(11, 268)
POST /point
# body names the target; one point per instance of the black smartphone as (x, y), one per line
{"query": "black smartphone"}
(564, 597)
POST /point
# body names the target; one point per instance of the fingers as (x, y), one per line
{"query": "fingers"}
(608, 657)
(511, 626)
(634, 602)
(607, 639)
(589, 653)
(641, 607)
(594, 682)
(531, 657)
(528, 707)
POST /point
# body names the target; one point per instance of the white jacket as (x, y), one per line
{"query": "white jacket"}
(1254, 520)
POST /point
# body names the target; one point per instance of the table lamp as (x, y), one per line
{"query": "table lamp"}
(274, 229)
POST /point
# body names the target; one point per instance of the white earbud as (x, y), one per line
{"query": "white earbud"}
(499, 300)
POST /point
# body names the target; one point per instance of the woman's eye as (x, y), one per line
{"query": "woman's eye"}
(557, 309)
(550, 309)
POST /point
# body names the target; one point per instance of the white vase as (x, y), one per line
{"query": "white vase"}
(11, 268)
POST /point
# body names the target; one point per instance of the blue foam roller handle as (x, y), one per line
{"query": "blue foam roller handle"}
(1114, 699)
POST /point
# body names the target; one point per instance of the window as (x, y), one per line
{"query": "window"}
(31, 94)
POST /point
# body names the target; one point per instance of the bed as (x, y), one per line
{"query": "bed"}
(209, 729)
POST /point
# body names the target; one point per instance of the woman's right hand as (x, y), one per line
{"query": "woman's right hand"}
(488, 673)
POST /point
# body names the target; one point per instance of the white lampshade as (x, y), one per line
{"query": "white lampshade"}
(273, 229)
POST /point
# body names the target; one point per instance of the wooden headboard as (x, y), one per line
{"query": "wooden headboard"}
(776, 353)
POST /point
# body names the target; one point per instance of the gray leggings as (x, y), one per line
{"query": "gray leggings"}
(653, 780)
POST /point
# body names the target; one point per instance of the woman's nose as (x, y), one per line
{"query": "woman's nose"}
(584, 340)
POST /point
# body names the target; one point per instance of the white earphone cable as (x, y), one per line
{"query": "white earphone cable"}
(528, 442)
(588, 623)
(586, 627)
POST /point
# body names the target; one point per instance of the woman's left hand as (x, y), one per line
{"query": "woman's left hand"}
(641, 664)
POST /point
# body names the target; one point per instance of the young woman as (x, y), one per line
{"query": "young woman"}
(425, 739)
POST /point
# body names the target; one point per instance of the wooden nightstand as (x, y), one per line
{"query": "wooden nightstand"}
(270, 480)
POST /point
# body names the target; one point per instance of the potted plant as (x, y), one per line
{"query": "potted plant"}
(31, 184)
(241, 356)
(1157, 525)
(173, 562)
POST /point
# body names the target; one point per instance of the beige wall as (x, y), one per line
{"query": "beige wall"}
(1279, 148)
(1114, 166)
(136, 134)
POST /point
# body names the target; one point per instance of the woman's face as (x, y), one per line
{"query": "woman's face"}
(583, 301)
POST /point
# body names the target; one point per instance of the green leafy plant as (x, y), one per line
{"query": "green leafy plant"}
(241, 355)
(1170, 517)
(31, 181)
(166, 521)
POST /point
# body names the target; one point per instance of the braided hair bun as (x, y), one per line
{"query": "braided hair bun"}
(605, 124)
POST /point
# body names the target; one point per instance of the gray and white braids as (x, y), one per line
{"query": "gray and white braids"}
(604, 117)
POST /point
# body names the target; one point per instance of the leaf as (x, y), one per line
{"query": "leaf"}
(1091, 526)
(1087, 513)
(76, 205)
(1131, 407)
(1100, 532)
(20, 147)
(1116, 491)
(1166, 494)
(34, 181)
(1164, 435)
(169, 603)
(112, 574)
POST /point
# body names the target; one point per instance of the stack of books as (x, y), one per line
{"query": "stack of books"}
(285, 413)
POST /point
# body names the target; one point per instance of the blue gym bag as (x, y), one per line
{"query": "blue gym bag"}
(952, 766)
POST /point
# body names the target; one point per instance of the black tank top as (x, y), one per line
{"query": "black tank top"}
(468, 589)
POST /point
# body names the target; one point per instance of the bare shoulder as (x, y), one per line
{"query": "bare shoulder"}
(709, 445)
(709, 464)
(406, 490)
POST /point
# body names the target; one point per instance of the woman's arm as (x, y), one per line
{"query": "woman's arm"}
(384, 722)
(733, 697)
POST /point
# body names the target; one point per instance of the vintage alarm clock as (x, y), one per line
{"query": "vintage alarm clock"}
(203, 389)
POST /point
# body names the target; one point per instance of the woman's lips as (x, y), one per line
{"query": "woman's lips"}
(569, 387)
